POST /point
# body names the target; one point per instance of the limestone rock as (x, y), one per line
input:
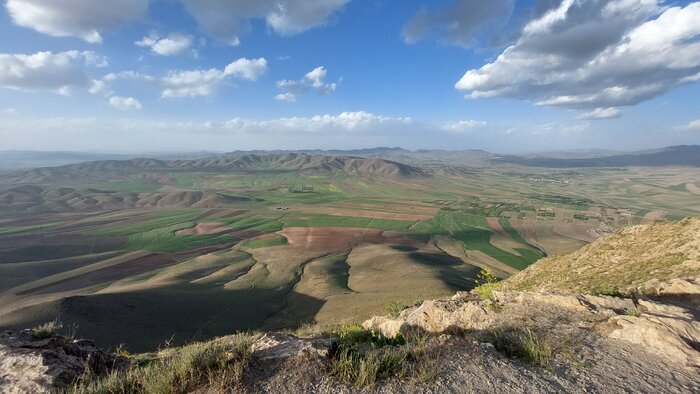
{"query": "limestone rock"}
(665, 330)
(31, 365)
(434, 316)
(282, 346)
(605, 305)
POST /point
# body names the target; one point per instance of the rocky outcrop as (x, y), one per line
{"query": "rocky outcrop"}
(33, 365)
(665, 330)
(435, 317)
(283, 346)
(465, 312)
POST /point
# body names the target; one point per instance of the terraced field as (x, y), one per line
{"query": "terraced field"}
(192, 250)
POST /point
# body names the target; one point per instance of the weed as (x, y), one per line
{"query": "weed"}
(486, 283)
(632, 312)
(46, 330)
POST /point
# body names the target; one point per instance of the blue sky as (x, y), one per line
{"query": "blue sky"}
(505, 76)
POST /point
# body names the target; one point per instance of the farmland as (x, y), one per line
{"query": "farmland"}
(193, 249)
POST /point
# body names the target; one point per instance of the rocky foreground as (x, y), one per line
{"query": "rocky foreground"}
(596, 343)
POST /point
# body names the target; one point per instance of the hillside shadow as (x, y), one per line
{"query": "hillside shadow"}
(146, 320)
(454, 272)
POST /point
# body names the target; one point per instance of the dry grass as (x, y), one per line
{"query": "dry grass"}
(622, 263)
(365, 357)
(213, 366)
(522, 343)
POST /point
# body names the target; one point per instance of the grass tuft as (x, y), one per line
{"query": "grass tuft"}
(522, 343)
(46, 330)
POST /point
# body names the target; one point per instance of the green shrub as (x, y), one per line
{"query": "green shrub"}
(486, 283)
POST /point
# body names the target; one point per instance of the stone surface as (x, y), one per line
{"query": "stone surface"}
(32, 365)
(282, 346)
(665, 330)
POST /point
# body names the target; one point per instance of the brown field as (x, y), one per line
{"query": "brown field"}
(542, 236)
(206, 228)
(363, 213)
(693, 188)
(653, 216)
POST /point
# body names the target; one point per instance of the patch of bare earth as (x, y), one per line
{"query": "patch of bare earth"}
(207, 228)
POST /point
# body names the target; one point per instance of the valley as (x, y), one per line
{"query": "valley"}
(183, 250)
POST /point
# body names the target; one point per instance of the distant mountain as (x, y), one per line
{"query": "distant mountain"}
(682, 155)
(29, 197)
(17, 159)
(302, 163)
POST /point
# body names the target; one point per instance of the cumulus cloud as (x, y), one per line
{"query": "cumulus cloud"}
(124, 103)
(345, 121)
(462, 126)
(173, 44)
(601, 113)
(693, 125)
(248, 69)
(592, 54)
(228, 19)
(460, 22)
(313, 80)
(58, 72)
(78, 18)
(207, 82)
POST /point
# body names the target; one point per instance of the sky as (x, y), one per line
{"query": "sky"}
(221, 75)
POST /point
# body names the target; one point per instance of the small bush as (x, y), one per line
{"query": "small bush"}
(486, 283)
(46, 330)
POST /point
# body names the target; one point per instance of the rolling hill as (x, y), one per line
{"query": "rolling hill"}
(682, 155)
(298, 162)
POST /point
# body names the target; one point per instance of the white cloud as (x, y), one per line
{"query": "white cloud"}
(343, 122)
(56, 72)
(313, 80)
(99, 87)
(125, 103)
(173, 44)
(693, 125)
(601, 113)
(228, 19)
(248, 69)
(79, 18)
(595, 54)
(207, 82)
(462, 126)
(288, 97)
